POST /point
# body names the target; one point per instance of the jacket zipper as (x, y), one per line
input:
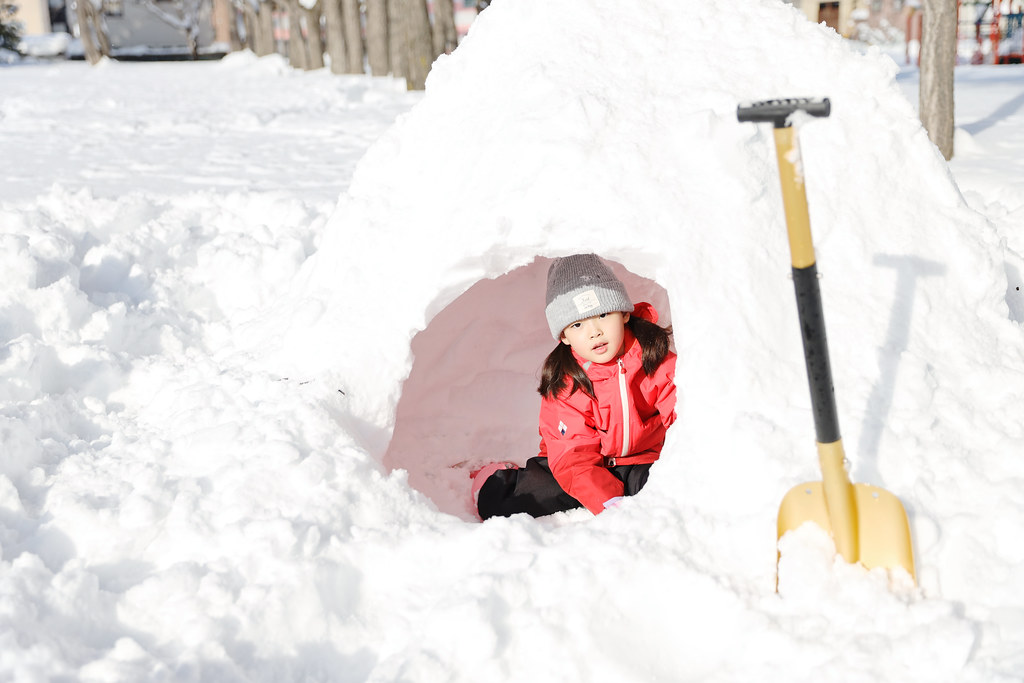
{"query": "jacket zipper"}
(625, 409)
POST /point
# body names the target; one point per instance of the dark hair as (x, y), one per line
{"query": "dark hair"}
(561, 366)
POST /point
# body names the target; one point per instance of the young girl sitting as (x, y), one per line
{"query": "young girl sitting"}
(608, 396)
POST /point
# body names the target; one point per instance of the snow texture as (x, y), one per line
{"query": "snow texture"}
(238, 414)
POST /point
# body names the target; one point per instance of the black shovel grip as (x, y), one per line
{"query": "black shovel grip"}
(777, 112)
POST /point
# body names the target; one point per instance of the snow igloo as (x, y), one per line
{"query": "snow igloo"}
(609, 127)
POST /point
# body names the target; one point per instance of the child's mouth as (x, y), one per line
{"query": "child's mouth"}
(600, 347)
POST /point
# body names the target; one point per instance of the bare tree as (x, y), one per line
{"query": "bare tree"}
(397, 56)
(353, 36)
(335, 36)
(296, 44)
(266, 43)
(93, 32)
(446, 38)
(418, 43)
(938, 59)
(314, 41)
(377, 36)
(398, 37)
(222, 17)
(259, 34)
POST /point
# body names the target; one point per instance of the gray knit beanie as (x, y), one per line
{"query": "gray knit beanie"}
(581, 286)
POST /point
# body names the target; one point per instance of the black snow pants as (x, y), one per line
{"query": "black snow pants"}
(533, 489)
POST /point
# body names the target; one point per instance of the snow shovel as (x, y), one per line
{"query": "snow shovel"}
(868, 524)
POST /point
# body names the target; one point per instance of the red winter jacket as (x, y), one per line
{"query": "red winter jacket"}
(582, 437)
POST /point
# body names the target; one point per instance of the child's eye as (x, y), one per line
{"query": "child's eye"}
(575, 325)
(602, 315)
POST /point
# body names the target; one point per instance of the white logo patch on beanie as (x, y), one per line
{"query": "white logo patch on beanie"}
(586, 301)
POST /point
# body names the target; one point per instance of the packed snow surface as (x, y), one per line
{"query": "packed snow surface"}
(238, 414)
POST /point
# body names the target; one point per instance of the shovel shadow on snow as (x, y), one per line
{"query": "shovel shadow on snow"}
(1003, 111)
(909, 269)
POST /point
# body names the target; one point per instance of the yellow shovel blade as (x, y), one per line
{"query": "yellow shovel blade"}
(884, 533)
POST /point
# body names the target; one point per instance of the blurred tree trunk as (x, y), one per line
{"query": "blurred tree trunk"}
(238, 29)
(335, 36)
(314, 41)
(248, 26)
(223, 18)
(938, 59)
(418, 43)
(266, 43)
(296, 45)
(396, 39)
(377, 36)
(353, 36)
(90, 25)
(252, 18)
(446, 38)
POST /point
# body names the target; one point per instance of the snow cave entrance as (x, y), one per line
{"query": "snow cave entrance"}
(471, 396)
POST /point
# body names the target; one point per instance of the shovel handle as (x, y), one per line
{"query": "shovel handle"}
(837, 491)
(801, 247)
(778, 112)
(837, 505)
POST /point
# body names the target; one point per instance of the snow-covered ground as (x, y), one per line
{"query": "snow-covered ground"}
(237, 414)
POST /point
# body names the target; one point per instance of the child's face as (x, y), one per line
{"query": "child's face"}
(600, 339)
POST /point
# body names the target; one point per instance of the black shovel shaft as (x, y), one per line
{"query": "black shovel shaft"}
(819, 369)
(777, 112)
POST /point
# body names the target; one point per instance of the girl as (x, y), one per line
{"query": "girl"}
(608, 396)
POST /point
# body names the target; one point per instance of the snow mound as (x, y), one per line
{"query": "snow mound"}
(610, 127)
(615, 132)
